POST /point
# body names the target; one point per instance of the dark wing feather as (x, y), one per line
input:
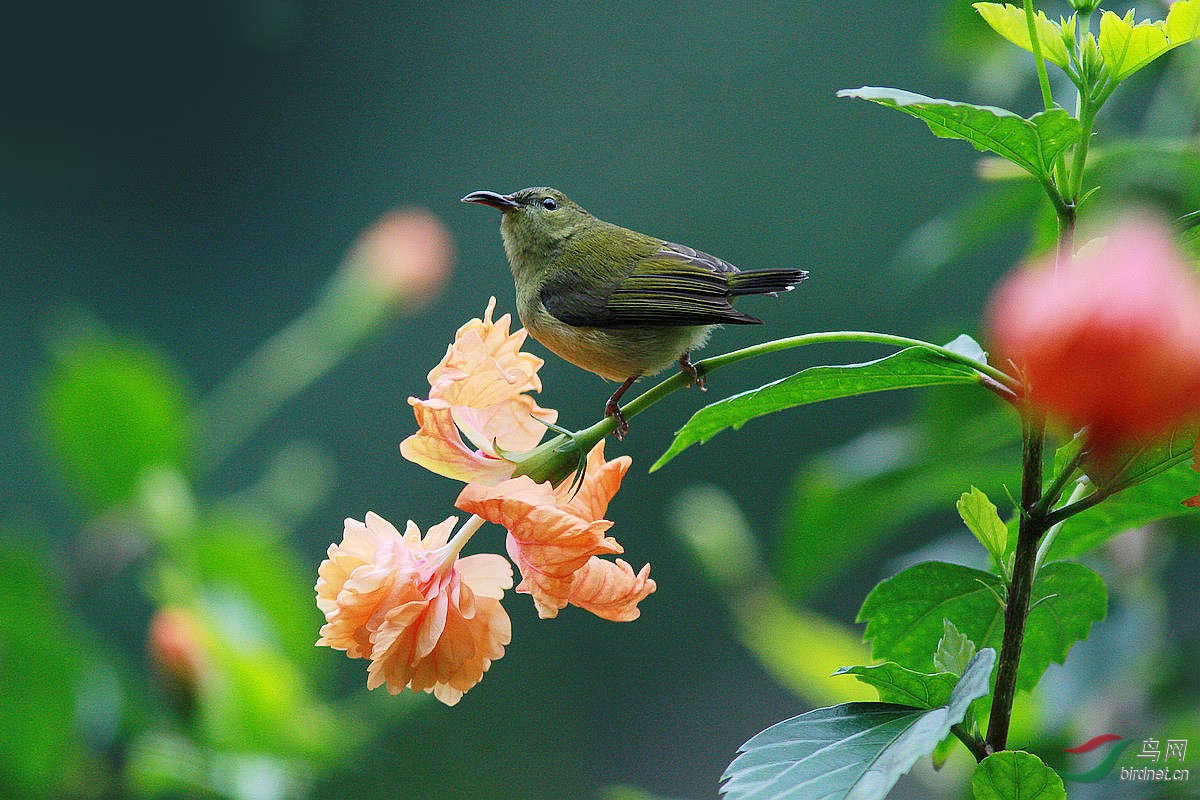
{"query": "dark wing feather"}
(675, 285)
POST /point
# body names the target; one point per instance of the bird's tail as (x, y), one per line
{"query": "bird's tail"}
(765, 281)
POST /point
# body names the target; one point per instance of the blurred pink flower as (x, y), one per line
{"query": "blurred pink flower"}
(479, 390)
(555, 540)
(407, 254)
(425, 618)
(1111, 340)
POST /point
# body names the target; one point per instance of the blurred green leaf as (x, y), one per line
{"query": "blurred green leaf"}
(975, 221)
(252, 691)
(855, 750)
(905, 613)
(850, 500)
(907, 687)
(1016, 775)
(780, 634)
(1159, 476)
(1031, 144)
(1010, 22)
(111, 409)
(42, 665)
(246, 555)
(906, 369)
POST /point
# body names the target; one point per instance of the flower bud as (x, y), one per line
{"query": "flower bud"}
(175, 642)
(407, 254)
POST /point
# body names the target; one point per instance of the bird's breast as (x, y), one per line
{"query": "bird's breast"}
(612, 353)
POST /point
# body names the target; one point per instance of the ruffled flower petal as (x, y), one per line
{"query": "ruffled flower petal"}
(426, 619)
(549, 543)
(479, 390)
(554, 539)
(482, 352)
(611, 590)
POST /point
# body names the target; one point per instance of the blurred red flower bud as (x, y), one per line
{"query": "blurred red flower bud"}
(1109, 340)
(175, 641)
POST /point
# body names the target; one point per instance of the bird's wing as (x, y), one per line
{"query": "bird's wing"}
(674, 285)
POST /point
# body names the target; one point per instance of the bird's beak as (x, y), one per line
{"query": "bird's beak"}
(502, 202)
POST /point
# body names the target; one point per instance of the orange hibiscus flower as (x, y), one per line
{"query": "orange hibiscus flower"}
(425, 618)
(480, 391)
(556, 540)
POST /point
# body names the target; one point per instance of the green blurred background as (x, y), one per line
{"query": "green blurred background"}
(192, 177)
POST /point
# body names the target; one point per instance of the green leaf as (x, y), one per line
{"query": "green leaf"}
(110, 410)
(983, 520)
(1150, 484)
(905, 614)
(954, 651)
(907, 687)
(1016, 775)
(854, 750)
(1183, 22)
(1031, 144)
(1009, 21)
(1127, 47)
(908, 368)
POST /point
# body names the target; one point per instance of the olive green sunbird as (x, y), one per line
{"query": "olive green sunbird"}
(613, 301)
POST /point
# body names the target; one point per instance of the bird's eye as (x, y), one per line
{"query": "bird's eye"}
(549, 203)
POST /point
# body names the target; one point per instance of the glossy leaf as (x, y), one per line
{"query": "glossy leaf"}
(854, 751)
(909, 368)
(1009, 21)
(905, 613)
(1016, 775)
(1031, 144)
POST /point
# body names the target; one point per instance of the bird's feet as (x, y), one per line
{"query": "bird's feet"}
(694, 372)
(613, 407)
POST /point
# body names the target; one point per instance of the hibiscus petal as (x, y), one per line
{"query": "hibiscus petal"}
(601, 481)
(549, 542)
(611, 590)
(487, 574)
(439, 448)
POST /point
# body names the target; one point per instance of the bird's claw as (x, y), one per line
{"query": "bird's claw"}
(613, 410)
(694, 372)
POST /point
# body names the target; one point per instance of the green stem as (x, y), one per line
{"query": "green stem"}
(1038, 58)
(1052, 533)
(678, 380)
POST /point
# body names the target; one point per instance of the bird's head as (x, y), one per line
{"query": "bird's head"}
(536, 224)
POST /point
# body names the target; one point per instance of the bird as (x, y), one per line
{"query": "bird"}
(612, 301)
